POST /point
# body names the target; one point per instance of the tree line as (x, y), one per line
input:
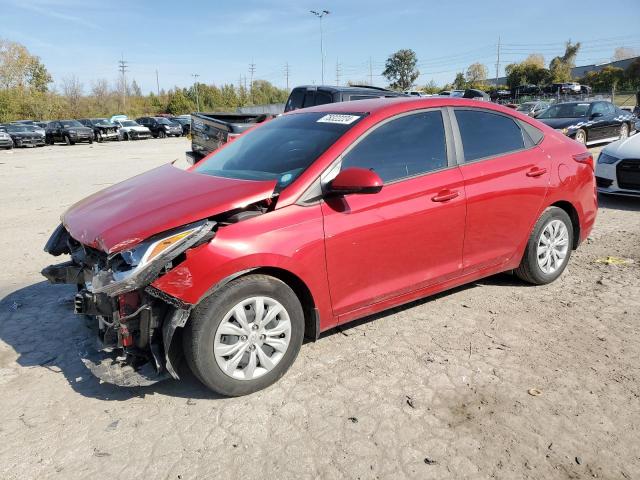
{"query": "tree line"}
(26, 93)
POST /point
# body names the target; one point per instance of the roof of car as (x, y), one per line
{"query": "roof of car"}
(376, 105)
(349, 88)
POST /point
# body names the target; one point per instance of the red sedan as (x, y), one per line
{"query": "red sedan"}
(312, 220)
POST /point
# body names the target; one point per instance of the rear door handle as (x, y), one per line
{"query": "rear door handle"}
(445, 196)
(536, 172)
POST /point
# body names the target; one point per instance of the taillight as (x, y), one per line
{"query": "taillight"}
(584, 157)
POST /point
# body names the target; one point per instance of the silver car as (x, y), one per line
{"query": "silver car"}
(618, 168)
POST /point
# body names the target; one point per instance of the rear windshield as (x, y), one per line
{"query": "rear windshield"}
(164, 121)
(70, 123)
(280, 149)
(566, 110)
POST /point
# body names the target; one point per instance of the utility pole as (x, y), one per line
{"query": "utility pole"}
(320, 15)
(498, 62)
(370, 71)
(195, 84)
(157, 83)
(338, 72)
(252, 69)
(122, 67)
(286, 74)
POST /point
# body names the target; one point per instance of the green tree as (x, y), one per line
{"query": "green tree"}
(536, 59)
(526, 73)
(179, 103)
(560, 67)
(400, 69)
(18, 68)
(476, 74)
(459, 83)
(431, 87)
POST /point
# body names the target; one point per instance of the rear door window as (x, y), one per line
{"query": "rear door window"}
(309, 99)
(485, 134)
(322, 98)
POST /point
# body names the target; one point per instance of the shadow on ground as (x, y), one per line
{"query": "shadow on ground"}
(37, 321)
(613, 202)
(39, 324)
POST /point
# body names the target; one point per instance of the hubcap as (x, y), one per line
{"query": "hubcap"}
(252, 338)
(580, 137)
(553, 246)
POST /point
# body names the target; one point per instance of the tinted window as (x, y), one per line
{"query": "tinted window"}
(599, 107)
(487, 134)
(403, 147)
(295, 99)
(323, 98)
(308, 99)
(362, 97)
(280, 149)
(566, 110)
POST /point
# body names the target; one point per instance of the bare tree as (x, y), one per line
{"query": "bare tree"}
(536, 59)
(622, 53)
(72, 91)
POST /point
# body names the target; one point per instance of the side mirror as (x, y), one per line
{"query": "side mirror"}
(355, 180)
(596, 115)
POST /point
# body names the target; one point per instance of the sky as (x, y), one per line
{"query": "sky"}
(219, 40)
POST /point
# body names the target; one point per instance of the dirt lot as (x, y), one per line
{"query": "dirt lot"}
(437, 389)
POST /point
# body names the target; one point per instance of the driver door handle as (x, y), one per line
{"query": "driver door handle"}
(536, 172)
(445, 196)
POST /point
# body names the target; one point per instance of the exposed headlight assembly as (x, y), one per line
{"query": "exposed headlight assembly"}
(138, 266)
(608, 159)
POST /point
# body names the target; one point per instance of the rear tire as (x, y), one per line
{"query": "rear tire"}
(581, 136)
(125, 137)
(552, 239)
(204, 337)
(161, 134)
(624, 131)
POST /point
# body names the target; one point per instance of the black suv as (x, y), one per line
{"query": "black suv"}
(309, 96)
(68, 131)
(160, 126)
(102, 128)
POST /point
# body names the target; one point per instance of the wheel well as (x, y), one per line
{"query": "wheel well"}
(575, 220)
(311, 317)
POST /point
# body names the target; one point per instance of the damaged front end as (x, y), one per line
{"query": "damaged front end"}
(134, 322)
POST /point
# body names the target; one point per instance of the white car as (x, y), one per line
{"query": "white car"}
(618, 168)
(130, 130)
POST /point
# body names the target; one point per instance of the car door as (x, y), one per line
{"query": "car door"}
(506, 177)
(57, 132)
(599, 126)
(410, 234)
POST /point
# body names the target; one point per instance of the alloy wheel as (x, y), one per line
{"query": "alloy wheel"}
(553, 246)
(624, 131)
(252, 338)
(581, 137)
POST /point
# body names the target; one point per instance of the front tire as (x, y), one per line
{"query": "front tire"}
(68, 140)
(548, 248)
(245, 336)
(161, 134)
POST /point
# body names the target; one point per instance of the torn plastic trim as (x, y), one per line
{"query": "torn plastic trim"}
(143, 269)
(58, 242)
(178, 319)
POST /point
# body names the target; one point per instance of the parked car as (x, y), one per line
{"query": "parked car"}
(533, 109)
(452, 93)
(310, 95)
(212, 130)
(589, 122)
(67, 131)
(415, 93)
(567, 88)
(160, 127)
(618, 168)
(6, 141)
(24, 135)
(102, 128)
(528, 90)
(209, 131)
(131, 130)
(185, 122)
(311, 220)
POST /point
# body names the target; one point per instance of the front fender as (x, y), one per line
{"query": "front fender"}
(289, 239)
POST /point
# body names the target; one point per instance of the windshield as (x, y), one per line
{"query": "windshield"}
(280, 149)
(566, 110)
(19, 128)
(100, 121)
(525, 107)
(70, 123)
(128, 123)
(181, 121)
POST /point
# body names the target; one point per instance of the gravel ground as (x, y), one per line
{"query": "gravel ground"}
(436, 389)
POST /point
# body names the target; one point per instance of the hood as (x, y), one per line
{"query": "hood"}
(628, 148)
(25, 134)
(564, 122)
(158, 200)
(139, 128)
